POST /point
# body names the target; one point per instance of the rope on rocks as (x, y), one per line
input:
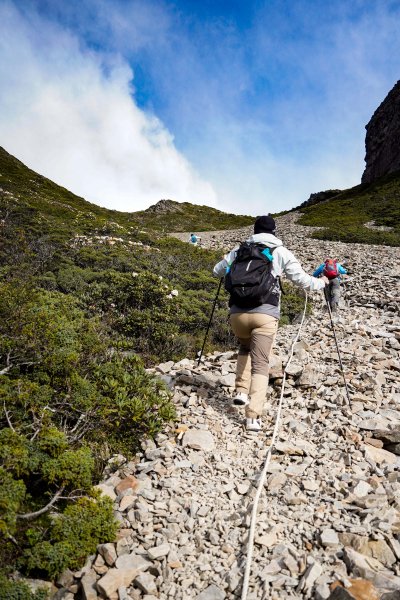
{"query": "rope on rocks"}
(253, 521)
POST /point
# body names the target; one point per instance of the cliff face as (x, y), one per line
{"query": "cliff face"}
(382, 142)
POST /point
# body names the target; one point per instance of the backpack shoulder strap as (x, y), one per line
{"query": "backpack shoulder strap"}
(268, 253)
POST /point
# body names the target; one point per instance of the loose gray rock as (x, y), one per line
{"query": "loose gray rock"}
(199, 439)
(147, 583)
(329, 538)
(211, 593)
(159, 551)
(88, 583)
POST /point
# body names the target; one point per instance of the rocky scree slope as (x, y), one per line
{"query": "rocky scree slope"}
(329, 516)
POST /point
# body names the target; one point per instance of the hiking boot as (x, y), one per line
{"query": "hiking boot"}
(253, 424)
(241, 399)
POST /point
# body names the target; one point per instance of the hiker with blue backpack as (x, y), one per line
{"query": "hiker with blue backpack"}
(252, 273)
(331, 269)
(194, 239)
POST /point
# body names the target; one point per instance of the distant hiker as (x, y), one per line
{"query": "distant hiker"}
(194, 239)
(331, 269)
(252, 273)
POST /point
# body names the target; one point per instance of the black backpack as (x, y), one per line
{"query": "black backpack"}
(249, 279)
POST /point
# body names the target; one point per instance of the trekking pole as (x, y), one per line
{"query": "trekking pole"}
(337, 346)
(209, 322)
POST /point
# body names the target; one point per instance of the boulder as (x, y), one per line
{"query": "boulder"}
(198, 439)
(159, 551)
(371, 569)
(88, 586)
(356, 589)
(380, 456)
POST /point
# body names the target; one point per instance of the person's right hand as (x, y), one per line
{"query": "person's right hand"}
(325, 280)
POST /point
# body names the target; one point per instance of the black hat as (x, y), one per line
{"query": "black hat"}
(264, 224)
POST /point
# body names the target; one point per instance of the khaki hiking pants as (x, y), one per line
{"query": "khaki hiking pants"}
(256, 333)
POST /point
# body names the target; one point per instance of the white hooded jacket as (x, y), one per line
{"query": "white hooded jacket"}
(284, 262)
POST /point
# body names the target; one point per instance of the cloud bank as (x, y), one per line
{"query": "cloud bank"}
(69, 113)
(269, 108)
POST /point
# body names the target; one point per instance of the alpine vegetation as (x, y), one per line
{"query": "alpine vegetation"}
(89, 298)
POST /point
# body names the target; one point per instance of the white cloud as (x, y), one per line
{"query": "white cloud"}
(276, 111)
(68, 113)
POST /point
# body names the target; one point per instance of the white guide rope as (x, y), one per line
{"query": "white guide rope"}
(253, 522)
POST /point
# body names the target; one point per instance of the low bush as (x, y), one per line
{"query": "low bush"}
(19, 590)
(358, 235)
(65, 397)
(74, 535)
(292, 303)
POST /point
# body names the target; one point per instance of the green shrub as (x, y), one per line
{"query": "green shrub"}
(74, 535)
(37, 470)
(358, 235)
(18, 590)
(64, 395)
(12, 493)
(131, 404)
(292, 303)
(72, 279)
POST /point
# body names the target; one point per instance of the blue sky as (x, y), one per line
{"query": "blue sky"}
(248, 106)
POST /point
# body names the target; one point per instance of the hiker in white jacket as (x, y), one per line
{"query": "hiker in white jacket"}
(256, 327)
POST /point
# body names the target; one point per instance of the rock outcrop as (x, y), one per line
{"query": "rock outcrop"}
(382, 142)
(164, 206)
(318, 197)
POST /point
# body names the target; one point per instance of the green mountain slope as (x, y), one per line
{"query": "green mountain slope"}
(169, 216)
(60, 242)
(46, 207)
(357, 214)
(85, 304)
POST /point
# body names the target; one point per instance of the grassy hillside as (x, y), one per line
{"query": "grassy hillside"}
(46, 207)
(170, 216)
(52, 208)
(345, 217)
